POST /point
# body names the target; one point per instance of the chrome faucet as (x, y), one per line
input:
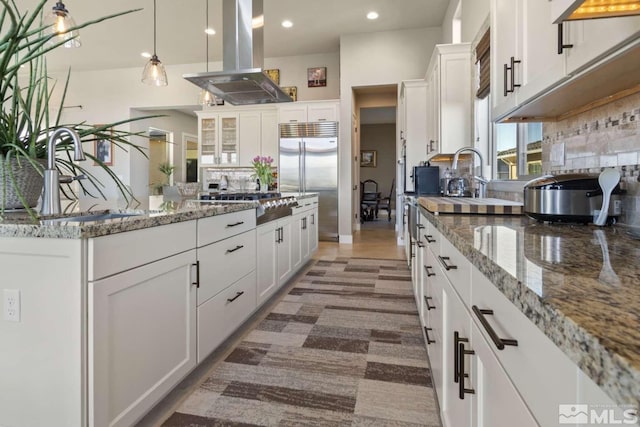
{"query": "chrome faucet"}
(480, 179)
(52, 178)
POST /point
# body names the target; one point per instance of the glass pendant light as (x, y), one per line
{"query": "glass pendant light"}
(58, 21)
(154, 73)
(206, 98)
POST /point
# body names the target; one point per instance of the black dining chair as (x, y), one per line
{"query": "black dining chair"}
(369, 197)
(385, 202)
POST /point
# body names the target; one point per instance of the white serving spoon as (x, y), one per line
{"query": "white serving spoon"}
(608, 180)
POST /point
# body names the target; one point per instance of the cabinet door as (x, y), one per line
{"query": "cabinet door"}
(542, 67)
(249, 136)
(313, 231)
(293, 112)
(284, 251)
(267, 244)
(415, 94)
(304, 237)
(326, 111)
(228, 151)
(208, 144)
(504, 45)
(270, 136)
(454, 121)
(594, 38)
(142, 338)
(297, 226)
(435, 313)
(499, 403)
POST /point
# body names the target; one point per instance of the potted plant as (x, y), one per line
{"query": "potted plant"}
(262, 171)
(27, 120)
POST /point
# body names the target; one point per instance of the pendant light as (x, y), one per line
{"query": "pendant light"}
(154, 73)
(206, 98)
(58, 21)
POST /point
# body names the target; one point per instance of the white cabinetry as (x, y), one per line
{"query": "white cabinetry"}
(274, 263)
(413, 126)
(270, 138)
(133, 361)
(218, 138)
(449, 99)
(313, 111)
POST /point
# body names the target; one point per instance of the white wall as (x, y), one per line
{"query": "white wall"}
(368, 60)
(474, 13)
(447, 22)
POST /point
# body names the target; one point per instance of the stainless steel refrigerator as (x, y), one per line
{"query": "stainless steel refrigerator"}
(309, 164)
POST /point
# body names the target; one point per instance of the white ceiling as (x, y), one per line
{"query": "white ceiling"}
(181, 39)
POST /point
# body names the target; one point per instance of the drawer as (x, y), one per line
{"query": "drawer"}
(220, 316)
(544, 376)
(222, 263)
(457, 268)
(431, 237)
(219, 227)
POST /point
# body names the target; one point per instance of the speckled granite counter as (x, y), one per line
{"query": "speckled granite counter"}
(300, 196)
(151, 212)
(579, 284)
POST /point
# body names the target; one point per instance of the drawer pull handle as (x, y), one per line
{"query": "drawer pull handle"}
(429, 238)
(499, 342)
(445, 264)
(426, 332)
(461, 388)
(238, 295)
(235, 249)
(429, 307)
(236, 224)
(197, 266)
(561, 45)
(456, 357)
(420, 244)
(420, 226)
(428, 268)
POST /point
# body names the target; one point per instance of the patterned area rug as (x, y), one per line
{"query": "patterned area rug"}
(343, 348)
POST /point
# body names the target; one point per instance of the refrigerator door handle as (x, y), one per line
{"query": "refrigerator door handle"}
(303, 187)
(300, 166)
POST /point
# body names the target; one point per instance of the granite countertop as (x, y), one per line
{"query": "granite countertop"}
(300, 196)
(579, 284)
(146, 212)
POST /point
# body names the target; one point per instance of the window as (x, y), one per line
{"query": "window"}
(518, 150)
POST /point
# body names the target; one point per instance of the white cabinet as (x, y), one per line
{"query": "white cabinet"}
(270, 137)
(250, 128)
(298, 233)
(284, 249)
(304, 231)
(218, 138)
(313, 111)
(449, 104)
(274, 265)
(413, 131)
(313, 229)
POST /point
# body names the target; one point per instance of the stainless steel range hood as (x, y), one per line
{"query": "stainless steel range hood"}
(242, 80)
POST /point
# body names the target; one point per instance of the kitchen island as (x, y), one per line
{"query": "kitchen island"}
(118, 303)
(577, 284)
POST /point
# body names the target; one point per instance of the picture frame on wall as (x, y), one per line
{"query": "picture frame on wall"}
(368, 158)
(104, 151)
(292, 91)
(317, 76)
(274, 74)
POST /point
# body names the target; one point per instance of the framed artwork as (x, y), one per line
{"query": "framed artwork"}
(104, 151)
(274, 75)
(317, 76)
(292, 91)
(368, 158)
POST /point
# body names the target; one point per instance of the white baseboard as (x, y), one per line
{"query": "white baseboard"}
(346, 239)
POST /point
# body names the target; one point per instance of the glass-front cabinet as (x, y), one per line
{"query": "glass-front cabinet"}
(218, 134)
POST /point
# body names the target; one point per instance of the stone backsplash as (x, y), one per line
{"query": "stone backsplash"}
(607, 136)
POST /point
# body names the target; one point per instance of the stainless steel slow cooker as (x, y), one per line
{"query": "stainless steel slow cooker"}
(568, 198)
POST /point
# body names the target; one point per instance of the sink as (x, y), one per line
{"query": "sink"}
(90, 218)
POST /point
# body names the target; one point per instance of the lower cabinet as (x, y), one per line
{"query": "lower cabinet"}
(142, 337)
(274, 263)
(221, 315)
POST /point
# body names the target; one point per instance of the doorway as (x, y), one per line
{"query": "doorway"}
(160, 160)
(190, 156)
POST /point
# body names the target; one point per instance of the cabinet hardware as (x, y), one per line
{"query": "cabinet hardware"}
(236, 224)
(461, 388)
(499, 342)
(445, 264)
(197, 266)
(505, 83)
(429, 307)
(420, 244)
(238, 295)
(281, 234)
(456, 342)
(313, 219)
(426, 332)
(234, 249)
(420, 226)
(513, 73)
(561, 45)
(428, 268)
(429, 238)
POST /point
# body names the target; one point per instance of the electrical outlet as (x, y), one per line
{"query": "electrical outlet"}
(12, 305)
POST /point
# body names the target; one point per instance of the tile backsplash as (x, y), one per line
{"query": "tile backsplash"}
(607, 136)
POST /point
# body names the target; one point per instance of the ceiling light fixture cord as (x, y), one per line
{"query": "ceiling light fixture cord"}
(154, 27)
(154, 73)
(207, 35)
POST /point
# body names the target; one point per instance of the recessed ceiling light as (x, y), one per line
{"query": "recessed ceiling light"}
(287, 24)
(210, 31)
(145, 55)
(372, 15)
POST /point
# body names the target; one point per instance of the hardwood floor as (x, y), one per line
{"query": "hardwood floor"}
(376, 239)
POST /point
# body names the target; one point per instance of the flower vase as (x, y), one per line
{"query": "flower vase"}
(264, 187)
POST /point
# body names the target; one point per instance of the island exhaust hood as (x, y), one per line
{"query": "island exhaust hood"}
(241, 80)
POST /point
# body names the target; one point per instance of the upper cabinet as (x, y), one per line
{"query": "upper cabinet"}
(449, 99)
(531, 57)
(413, 126)
(312, 111)
(218, 134)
